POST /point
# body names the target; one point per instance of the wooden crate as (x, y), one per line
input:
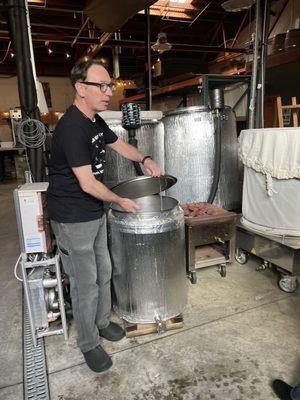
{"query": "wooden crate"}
(133, 330)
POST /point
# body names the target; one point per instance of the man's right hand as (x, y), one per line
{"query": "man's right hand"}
(129, 205)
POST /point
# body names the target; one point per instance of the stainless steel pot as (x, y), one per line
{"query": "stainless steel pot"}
(151, 204)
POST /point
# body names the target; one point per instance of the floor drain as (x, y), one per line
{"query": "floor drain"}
(34, 364)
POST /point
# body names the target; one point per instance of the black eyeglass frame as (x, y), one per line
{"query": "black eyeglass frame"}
(103, 86)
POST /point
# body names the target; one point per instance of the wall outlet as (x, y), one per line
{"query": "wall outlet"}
(15, 113)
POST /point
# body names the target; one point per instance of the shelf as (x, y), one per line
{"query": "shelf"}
(199, 80)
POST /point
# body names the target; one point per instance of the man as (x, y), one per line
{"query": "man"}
(75, 206)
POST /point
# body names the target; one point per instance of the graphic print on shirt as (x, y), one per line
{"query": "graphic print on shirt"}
(98, 155)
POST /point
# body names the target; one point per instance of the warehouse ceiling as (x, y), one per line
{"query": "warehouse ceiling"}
(65, 30)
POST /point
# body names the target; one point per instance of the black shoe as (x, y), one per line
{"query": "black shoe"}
(112, 332)
(282, 389)
(97, 359)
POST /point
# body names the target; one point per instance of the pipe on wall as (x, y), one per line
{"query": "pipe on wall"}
(253, 87)
(264, 51)
(148, 72)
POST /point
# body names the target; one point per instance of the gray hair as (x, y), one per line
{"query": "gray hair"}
(80, 70)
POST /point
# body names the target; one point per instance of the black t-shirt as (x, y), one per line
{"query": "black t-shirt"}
(77, 141)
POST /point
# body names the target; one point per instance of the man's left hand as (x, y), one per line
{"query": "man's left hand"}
(152, 168)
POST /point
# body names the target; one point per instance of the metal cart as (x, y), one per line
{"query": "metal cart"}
(210, 240)
(282, 252)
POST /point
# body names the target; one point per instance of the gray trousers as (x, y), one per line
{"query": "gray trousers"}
(86, 260)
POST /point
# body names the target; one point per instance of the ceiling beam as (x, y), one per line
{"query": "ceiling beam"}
(183, 47)
(37, 24)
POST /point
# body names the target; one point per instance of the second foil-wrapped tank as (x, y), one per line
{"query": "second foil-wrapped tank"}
(190, 152)
(150, 138)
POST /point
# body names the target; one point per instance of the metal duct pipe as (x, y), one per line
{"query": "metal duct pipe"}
(16, 36)
(259, 114)
(27, 67)
(148, 73)
(31, 76)
(217, 99)
(254, 67)
(29, 81)
(264, 50)
(26, 81)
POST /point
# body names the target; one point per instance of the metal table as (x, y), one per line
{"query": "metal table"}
(281, 251)
(210, 240)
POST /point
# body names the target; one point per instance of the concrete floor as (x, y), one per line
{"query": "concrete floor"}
(240, 332)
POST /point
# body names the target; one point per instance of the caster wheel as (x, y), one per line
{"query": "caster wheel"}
(241, 256)
(288, 284)
(192, 277)
(222, 270)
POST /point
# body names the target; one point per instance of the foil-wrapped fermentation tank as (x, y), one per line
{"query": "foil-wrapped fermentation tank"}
(150, 141)
(190, 153)
(148, 253)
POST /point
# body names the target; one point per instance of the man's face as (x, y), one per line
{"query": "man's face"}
(93, 97)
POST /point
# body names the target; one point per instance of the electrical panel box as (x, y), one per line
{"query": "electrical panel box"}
(15, 118)
(33, 223)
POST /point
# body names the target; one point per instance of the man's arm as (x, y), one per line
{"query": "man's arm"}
(90, 185)
(133, 154)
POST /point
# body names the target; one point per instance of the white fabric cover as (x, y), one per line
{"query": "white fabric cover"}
(272, 151)
(274, 215)
(271, 191)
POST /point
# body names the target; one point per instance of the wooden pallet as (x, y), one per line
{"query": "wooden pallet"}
(133, 330)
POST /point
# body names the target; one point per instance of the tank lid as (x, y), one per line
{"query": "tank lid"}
(187, 110)
(144, 186)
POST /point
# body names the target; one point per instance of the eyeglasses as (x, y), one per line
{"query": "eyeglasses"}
(103, 86)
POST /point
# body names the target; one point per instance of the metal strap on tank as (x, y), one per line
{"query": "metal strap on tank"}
(34, 364)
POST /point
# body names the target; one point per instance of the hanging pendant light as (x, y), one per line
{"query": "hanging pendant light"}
(162, 43)
(237, 5)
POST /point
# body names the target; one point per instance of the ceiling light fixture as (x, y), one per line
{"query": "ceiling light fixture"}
(49, 51)
(237, 5)
(162, 43)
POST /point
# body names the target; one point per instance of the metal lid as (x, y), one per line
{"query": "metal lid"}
(144, 186)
